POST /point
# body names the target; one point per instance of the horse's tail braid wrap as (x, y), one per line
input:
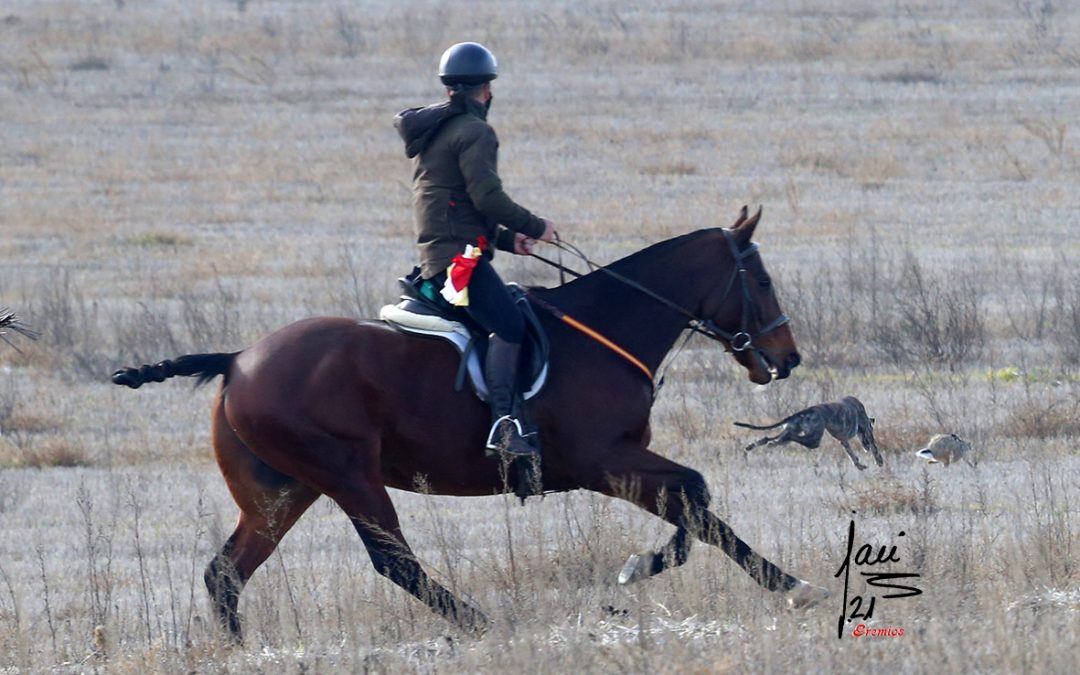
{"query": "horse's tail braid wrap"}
(204, 366)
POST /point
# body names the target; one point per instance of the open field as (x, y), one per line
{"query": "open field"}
(184, 177)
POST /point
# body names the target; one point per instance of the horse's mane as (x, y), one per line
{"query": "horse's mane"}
(592, 290)
(627, 264)
(656, 250)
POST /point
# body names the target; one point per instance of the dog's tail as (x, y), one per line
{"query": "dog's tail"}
(758, 428)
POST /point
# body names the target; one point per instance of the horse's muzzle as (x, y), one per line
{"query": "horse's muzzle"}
(781, 370)
(793, 359)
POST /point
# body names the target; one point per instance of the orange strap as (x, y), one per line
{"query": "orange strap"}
(607, 343)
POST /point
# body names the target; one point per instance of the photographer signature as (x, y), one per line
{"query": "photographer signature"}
(866, 556)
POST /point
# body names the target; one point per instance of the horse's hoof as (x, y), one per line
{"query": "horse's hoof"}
(632, 571)
(806, 595)
(475, 623)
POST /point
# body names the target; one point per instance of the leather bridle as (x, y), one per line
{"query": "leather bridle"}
(738, 341)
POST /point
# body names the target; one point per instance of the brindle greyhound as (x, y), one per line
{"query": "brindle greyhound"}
(844, 419)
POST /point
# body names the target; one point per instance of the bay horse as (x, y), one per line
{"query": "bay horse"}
(347, 408)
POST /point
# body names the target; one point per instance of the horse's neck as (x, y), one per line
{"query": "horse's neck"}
(630, 318)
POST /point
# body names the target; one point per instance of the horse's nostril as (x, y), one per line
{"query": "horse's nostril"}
(792, 360)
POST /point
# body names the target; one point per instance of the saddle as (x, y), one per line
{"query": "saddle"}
(431, 316)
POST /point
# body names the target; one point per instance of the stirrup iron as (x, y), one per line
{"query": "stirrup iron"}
(497, 441)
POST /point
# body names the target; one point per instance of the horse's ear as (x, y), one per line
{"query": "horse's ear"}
(742, 218)
(744, 227)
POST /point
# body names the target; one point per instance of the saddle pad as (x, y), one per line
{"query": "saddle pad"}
(456, 334)
(427, 322)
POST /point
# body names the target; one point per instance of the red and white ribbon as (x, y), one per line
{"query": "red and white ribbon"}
(459, 273)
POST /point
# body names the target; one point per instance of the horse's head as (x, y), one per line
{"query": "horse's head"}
(746, 310)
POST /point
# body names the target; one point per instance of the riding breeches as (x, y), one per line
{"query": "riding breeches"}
(492, 306)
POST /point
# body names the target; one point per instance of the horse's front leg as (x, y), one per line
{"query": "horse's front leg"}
(671, 554)
(678, 494)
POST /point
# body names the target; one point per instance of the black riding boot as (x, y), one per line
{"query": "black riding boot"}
(506, 435)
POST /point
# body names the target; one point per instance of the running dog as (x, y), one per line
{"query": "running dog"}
(844, 420)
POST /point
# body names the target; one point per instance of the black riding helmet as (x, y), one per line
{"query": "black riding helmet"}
(467, 63)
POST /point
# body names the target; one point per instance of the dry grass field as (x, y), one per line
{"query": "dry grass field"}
(179, 177)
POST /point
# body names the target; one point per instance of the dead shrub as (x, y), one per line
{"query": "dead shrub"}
(888, 498)
(1051, 309)
(1067, 333)
(1041, 419)
(90, 63)
(70, 326)
(938, 321)
(52, 452)
(828, 331)
(900, 440)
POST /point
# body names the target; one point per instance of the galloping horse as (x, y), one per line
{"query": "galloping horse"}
(337, 407)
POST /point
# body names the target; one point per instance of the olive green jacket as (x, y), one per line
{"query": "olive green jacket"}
(457, 194)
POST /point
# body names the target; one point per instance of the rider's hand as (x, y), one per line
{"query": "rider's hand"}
(523, 245)
(549, 230)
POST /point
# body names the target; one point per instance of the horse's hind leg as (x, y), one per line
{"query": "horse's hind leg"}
(270, 503)
(368, 505)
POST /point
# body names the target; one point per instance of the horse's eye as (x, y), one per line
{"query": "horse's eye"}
(764, 282)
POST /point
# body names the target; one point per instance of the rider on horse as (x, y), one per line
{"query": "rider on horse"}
(462, 214)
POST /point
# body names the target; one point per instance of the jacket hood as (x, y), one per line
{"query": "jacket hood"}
(418, 126)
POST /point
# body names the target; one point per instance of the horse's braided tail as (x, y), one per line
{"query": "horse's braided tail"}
(203, 366)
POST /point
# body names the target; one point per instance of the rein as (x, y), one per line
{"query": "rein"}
(739, 341)
(571, 321)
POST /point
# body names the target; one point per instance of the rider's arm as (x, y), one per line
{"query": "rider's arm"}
(477, 161)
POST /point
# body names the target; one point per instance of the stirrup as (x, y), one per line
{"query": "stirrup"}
(504, 440)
